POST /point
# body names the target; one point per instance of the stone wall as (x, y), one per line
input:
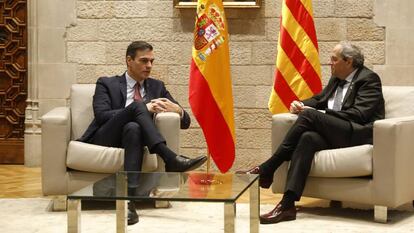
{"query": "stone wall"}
(96, 36)
(103, 29)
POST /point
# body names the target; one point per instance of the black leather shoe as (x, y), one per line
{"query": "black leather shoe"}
(254, 170)
(264, 181)
(182, 163)
(278, 214)
(132, 213)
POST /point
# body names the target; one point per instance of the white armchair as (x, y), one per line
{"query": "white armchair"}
(69, 165)
(380, 174)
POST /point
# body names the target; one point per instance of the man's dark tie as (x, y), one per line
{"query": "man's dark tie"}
(137, 94)
(338, 97)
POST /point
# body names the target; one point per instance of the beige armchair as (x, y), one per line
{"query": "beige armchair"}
(380, 174)
(69, 165)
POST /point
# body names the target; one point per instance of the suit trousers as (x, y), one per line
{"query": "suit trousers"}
(132, 128)
(313, 131)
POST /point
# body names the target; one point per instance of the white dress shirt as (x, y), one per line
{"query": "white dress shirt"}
(130, 89)
(345, 89)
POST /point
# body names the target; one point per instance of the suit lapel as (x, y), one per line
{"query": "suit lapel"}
(123, 88)
(330, 90)
(149, 90)
(351, 87)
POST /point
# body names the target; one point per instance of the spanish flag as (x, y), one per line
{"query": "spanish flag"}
(210, 89)
(298, 70)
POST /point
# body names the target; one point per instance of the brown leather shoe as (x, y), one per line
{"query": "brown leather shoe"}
(278, 215)
(264, 181)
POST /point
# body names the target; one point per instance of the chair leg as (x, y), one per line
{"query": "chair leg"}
(380, 214)
(59, 203)
(162, 204)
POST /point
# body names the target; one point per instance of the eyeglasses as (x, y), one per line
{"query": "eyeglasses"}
(336, 59)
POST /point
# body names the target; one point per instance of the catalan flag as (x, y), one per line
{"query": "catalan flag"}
(298, 70)
(210, 88)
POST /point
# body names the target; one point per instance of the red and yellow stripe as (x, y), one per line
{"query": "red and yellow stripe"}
(210, 88)
(298, 70)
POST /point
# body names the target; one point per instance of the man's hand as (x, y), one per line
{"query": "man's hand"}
(151, 108)
(165, 105)
(296, 107)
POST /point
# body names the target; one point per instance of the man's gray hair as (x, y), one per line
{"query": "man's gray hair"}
(352, 51)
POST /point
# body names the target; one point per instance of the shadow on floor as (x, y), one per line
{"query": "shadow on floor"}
(359, 213)
(110, 205)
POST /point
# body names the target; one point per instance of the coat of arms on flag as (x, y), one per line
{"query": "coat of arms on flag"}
(208, 26)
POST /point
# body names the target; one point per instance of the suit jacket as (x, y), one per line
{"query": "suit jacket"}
(110, 98)
(362, 105)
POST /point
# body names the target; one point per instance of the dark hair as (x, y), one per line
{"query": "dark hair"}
(137, 46)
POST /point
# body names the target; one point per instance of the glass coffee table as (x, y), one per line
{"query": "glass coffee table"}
(171, 186)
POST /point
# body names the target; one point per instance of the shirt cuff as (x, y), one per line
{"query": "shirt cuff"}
(182, 113)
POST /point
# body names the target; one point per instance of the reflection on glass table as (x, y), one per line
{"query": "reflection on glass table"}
(170, 186)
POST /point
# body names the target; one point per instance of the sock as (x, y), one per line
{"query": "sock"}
(288, 200)
(164, 152)
(131, 191)
(269, 167)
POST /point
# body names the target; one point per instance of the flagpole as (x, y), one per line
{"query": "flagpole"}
(208, 161)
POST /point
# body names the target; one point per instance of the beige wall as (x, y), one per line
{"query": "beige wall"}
(86, 39)
(396, 16)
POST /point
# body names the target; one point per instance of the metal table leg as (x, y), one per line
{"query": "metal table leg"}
(254, 207)
(229, 217)
(121, 216)
(121, 206)
(74, 217)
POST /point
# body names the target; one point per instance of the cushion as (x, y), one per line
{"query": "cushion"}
(81, 108)
(101, 159)
(399, 101)
(344, 162)
(92, 158)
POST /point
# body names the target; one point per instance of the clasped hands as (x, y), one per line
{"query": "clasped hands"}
(163, 105)
(297, 107)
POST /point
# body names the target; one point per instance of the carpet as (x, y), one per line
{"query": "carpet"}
(31, 215)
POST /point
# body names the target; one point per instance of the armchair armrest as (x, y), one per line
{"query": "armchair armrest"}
(281, 124)
(56, 125)
(393, 159)
(168, 123)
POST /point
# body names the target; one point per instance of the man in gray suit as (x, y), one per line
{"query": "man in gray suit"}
(351, 101)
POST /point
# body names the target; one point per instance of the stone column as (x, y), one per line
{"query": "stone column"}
(49, 75)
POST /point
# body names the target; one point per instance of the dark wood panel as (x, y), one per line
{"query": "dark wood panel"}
(12, 152)
(13, 79)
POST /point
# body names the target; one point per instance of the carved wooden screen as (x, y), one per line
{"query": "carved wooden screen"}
(13, 79)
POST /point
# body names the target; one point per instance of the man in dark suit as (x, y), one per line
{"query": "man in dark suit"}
(351, 101)
(123, 108)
